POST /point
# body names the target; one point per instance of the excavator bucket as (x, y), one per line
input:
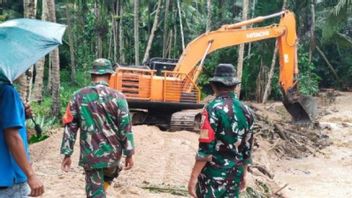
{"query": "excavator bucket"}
(303, 109)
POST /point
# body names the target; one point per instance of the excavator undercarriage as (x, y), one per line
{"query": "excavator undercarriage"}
(167, 116)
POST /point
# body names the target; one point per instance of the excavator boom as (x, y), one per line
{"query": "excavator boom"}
(301, 108)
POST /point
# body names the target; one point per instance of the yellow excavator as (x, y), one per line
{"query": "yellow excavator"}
(163, 92)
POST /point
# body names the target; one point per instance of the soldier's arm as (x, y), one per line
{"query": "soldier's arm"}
(207, 135)
(125, 128)
(71, 126)
(206, 146)
(248, 138)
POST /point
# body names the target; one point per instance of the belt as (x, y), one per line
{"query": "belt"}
(3, 187)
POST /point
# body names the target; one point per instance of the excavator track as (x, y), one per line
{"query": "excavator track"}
(186, 120)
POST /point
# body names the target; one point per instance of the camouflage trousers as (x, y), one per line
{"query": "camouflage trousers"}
(219, 183)
(95, 179)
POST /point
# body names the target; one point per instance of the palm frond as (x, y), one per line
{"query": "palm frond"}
(342, 4)
(335, 19)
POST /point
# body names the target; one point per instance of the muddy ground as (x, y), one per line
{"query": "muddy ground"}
(328, 173)
(163, 162)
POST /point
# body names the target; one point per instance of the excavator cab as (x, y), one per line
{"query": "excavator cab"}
(161, 64)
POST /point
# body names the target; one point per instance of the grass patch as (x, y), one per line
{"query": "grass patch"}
(179, 191)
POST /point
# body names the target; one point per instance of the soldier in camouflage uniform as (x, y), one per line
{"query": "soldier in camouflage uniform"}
(225, 141)
(102, 116)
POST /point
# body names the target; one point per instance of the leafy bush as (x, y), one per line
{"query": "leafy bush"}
(45, 125)
(308, 79)
(44, 122)
(42, 109)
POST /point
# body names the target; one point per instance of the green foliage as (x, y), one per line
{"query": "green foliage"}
(68, 88)
(44, 122)
(308, 79)
(36, 138)
(332, 34)
(42, 109)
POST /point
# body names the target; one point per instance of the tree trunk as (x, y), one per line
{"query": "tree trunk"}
(169, 46)
(261, 82)
(115, 30)
(136, 32)
(29, 9)
(122, 58)
(111, 40)
(252, 16)
(114, 36)
(267, 90)
(175, 54)
(312, 30)
(99, 44)
(329, 64)
(208, 27)
(49, 85)
(31, 70)
(165, 32)
(152, 32)
(39, 66)
(181, 26)
(71, 45)
(37, 95)
(55, 66)
(241, 48)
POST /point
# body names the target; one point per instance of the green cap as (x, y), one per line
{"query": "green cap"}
(102, 66)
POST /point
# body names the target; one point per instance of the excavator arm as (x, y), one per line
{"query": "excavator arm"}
(301, 108)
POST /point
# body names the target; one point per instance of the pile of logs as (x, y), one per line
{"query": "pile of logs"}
(288, 139)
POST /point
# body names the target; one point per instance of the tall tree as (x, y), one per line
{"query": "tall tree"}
(98, 15)
(272, 66)
(241, 48)
(115, 28)
(122, 58)
(55, 70)
(252, 16)
(165, 29)
(181, 25)
(312, 30)
(39, 66)
(70, 35)
(30, 9)
(136, 32)
(152, 32)
(209, 16)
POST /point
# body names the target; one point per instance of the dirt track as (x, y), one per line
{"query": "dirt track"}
(164, 161)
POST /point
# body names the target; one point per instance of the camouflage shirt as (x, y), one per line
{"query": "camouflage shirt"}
(102, 116)
(225, 137)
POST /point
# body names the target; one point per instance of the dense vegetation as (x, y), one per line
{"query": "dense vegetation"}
(105, 28)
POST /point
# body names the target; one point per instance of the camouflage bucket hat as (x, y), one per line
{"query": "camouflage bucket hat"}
(102, 66)
(225, 74)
